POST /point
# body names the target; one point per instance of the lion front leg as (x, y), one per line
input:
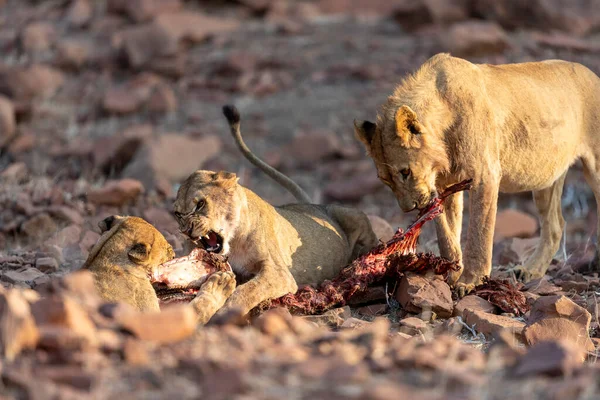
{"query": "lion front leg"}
(448, 228)
(270, 283)
(212, 295)
(477, 257)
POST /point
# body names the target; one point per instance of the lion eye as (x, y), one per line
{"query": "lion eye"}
(200, 205)
(405, 172)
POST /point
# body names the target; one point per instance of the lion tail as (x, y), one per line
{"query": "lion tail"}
(233, 117)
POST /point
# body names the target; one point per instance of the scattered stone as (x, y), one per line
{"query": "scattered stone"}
(161, 219)
(116, 193)
(113, 153)
(46, 264)
(514, 223)
(171, 156)
(15, 172)
(88, 240)
(39, 226)
(135, 352)
(541, 286)
(66, 214)
(309, 148)
(144, 10)
(144, 43)
(38, 36)
(417, 293)
(413, 326)
(354, 323)
(79, 13)
(17, 326)
(490, 324)
(334, 318)
(383, 230)
(353, 188)
(66, 236)
(274, 322)
(7, 121)
(170, 325)
(73, 54)
(22, 143)
(162, 100)
(372, 310)
(554, 358)
(70, 375)
(122, 101)
(475, 38)
(474, 303)
(371, 295)
(63, 312)
(558, 317)
(193, 26)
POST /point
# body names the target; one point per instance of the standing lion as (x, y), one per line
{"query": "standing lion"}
(511, 128)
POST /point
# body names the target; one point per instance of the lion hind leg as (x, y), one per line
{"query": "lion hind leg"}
(591, 171)
(548, 203)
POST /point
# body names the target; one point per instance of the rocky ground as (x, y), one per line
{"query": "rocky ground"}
(106, 105)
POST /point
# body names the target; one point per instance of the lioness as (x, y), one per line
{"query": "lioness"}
(280, 247)
(511, 128)
(126, 254)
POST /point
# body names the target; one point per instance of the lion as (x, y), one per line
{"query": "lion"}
(276, 248)
(512, 128)
(124, 258)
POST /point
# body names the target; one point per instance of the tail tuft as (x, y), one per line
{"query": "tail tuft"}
(231, 113)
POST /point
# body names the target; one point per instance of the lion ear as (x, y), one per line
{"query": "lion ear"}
(227, 180)
(139, 252)
(107, 223)
(364, 131)
(406, 120)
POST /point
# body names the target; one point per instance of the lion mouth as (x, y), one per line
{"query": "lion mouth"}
(211, 242)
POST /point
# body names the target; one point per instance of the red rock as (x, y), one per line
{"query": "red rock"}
(135, 352)
(7, 121)
(162, 100)
(172, 157)
(22, 85)
(70, 375)
(371, 295)
(66, 214)
(572, 16)
(560, 41)
(514, 223)
(378, 8)
(170, 325)
(17, 326)
(66, 236)
(144, 10)
(38, 36)
(309, 148)
(161, 219)
(334, 318)
(73, 53)
(274, 322)
(116, 193)
(417, 293)
(353, 188)
(541, 286)
(15, 172)
(121, 101)
(448, 11)
(471, 38)
(490, 324)
(558, 317)
(113, 153)
(46, 264)
(88, 240)
(39, 226)
(63, 312)
(354, 323)
(383, 230)
(194, 26)
(81, 286)
(473, 302)
(413, 326)
(144, 43)
(555, 358)
(22, 143)
(524, 247)
(372, 310)
(79, 13)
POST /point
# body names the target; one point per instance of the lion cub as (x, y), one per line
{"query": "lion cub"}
(280, 247)
(126, 254)
(511, 128)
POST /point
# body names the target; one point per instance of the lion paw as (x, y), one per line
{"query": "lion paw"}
(525, 274)
(221, 283)
(462, 289)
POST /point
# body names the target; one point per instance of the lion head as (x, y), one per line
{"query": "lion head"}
(207, 208)
(408, 155)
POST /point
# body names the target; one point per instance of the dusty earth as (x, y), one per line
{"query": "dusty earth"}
(106, 105)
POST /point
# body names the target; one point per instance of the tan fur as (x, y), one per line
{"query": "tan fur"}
(278, 247)
(511, 128)
(124, 257)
